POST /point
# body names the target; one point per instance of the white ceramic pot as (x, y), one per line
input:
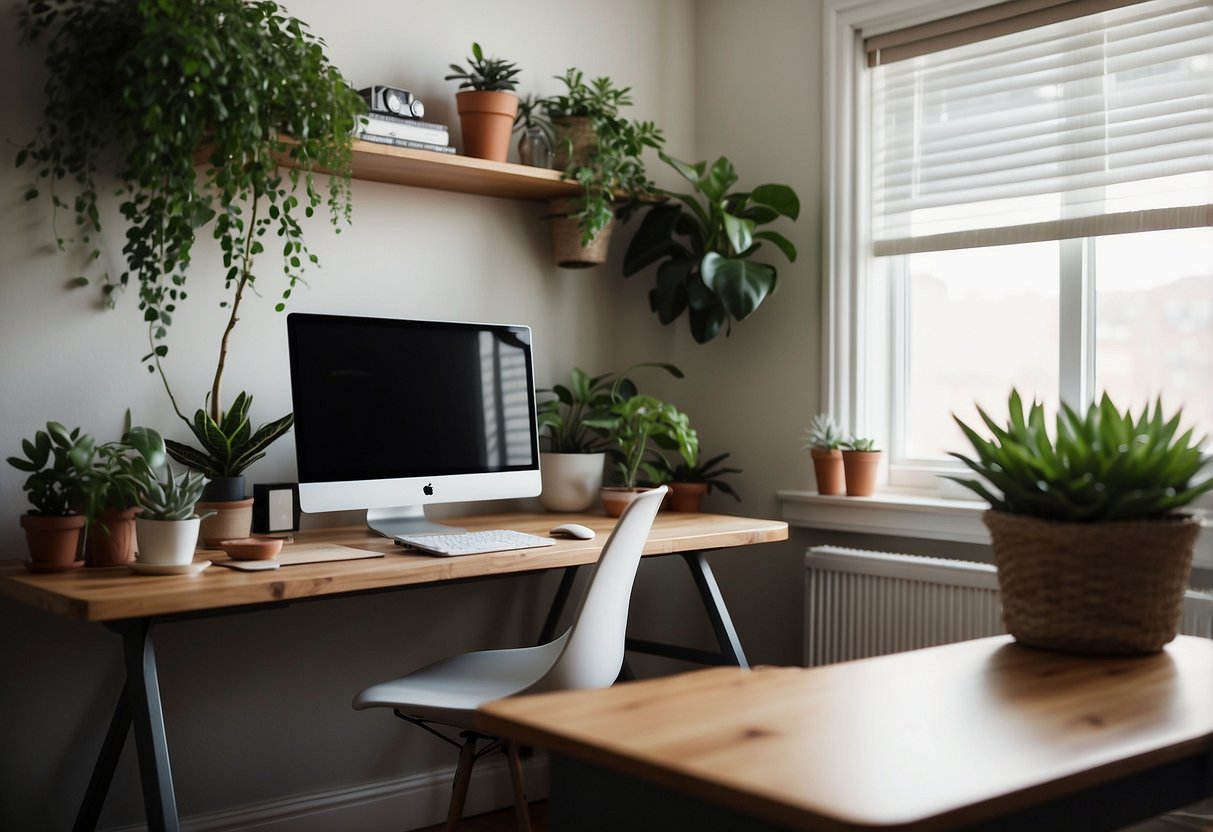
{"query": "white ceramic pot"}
(166, 542)
(570, 481)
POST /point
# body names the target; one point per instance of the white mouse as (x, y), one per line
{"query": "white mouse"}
(572, 530)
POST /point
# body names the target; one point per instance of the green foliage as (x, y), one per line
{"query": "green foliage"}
(58, 462)
(704, 247)
(823, 434)
(614, 171)
(229, 445)
(136, 88)
(857, 444)
(161, 496)
(532, 115)
(578, 419)
(709, 471)
(1102, 465)
(640, 418)
(485, 74)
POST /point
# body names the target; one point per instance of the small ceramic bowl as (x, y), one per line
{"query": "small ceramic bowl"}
(252, 548)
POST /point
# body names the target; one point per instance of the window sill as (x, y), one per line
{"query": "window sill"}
(904, 514)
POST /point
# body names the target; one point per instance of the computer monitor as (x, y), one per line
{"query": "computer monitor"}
(392, 415)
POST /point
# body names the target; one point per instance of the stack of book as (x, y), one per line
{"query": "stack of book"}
(385, 128)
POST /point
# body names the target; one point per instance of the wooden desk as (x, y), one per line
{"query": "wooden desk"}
(131, 605)
(978, 735)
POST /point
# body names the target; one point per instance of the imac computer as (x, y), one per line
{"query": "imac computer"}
(392, 415)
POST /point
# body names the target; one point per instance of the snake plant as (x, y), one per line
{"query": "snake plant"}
(1100, 465)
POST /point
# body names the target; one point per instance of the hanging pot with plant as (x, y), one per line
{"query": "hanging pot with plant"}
(487, 104)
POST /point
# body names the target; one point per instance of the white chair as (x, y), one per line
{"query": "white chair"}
(588, 655)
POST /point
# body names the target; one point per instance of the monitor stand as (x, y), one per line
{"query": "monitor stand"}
(398, 520)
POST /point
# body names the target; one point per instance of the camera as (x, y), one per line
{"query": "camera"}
(392, 100)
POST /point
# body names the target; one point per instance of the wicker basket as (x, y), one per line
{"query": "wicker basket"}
(566, 238)
(1113, 588)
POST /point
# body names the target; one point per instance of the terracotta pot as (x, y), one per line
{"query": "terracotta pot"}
(827, 466)
(571, 482)
(487, 121)
(860, 468)
(615, 499)
(578, 132)
(54, 542)
(687, 496)
(232, 520)
(253, 548)
(166, 542)
(111, 538)
(567, 249)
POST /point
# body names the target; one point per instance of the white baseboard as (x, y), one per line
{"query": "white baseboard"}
(412, 802)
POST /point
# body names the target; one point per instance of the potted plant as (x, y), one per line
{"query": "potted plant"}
(246, 87)
(1093, 554)
(860, 464)
(638, 419)
(690, 482)
(601, 151)
(229, 445)
(167, 526)
(575, 424)
(486, 104)
(706, 246)
(823, 439)
(111, 504)
(57, 461)
(538, 135)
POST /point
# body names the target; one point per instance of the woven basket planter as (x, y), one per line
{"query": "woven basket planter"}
(1107, 588)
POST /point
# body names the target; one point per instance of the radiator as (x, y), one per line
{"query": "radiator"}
(860, 604)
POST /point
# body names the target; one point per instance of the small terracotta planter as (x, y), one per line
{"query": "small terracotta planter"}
(687, 496)
(615, 499)
(111, 538)
(252, 548)
(487, 122)
(827, 466)
(53, 542)
(860, 468)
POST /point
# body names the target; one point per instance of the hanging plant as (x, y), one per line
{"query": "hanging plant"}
(189, 106)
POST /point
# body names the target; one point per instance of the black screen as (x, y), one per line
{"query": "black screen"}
(378, 398)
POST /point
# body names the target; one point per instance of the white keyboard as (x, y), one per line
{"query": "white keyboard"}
(472, 543)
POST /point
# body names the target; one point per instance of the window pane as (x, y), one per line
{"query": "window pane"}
(979, 322)
(1154, 321)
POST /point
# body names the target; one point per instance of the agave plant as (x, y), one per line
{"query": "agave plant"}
(229, 445)
(1102, 465)
(823, 434)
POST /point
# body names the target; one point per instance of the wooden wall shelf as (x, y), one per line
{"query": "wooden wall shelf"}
(462, 174)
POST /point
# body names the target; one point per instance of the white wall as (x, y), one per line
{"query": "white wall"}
(257, 705)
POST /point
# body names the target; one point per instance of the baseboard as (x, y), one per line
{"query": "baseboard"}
(412, 802)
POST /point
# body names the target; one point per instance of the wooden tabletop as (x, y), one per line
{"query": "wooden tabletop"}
(116, 593)
(925, 740)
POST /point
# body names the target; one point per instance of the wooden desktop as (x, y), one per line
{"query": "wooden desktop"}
(133, 605)
(981, 735)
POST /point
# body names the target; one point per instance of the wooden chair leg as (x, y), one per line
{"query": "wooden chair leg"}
(522, 812)
(463, 776)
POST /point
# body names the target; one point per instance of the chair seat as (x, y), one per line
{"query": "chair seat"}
(450, 690)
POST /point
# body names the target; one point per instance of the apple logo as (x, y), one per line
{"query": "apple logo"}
(428, 490)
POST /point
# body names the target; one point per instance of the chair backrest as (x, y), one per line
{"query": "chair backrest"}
(593, 647)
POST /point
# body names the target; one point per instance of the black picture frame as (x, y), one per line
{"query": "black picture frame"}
(276, 508)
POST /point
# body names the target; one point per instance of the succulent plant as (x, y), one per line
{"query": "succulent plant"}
(485, 74)
(171, 498)
(858, 444)
(1102, 465)
(823, 433)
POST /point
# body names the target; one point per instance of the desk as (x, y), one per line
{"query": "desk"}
(132, 605)
(982, 735)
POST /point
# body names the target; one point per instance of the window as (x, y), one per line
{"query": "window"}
(1023, 197)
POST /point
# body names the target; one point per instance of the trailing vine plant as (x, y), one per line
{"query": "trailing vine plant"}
(189, 106)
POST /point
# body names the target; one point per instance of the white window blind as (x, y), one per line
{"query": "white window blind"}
(1097, 125)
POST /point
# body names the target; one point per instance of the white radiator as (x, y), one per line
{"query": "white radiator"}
(860, 604)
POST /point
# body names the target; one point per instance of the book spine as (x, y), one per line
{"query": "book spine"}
(392, 140)
(380, 127)
(375, 115)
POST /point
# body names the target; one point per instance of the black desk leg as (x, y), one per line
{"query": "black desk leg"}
(138, 706)
(558, 604)
(718, 613)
